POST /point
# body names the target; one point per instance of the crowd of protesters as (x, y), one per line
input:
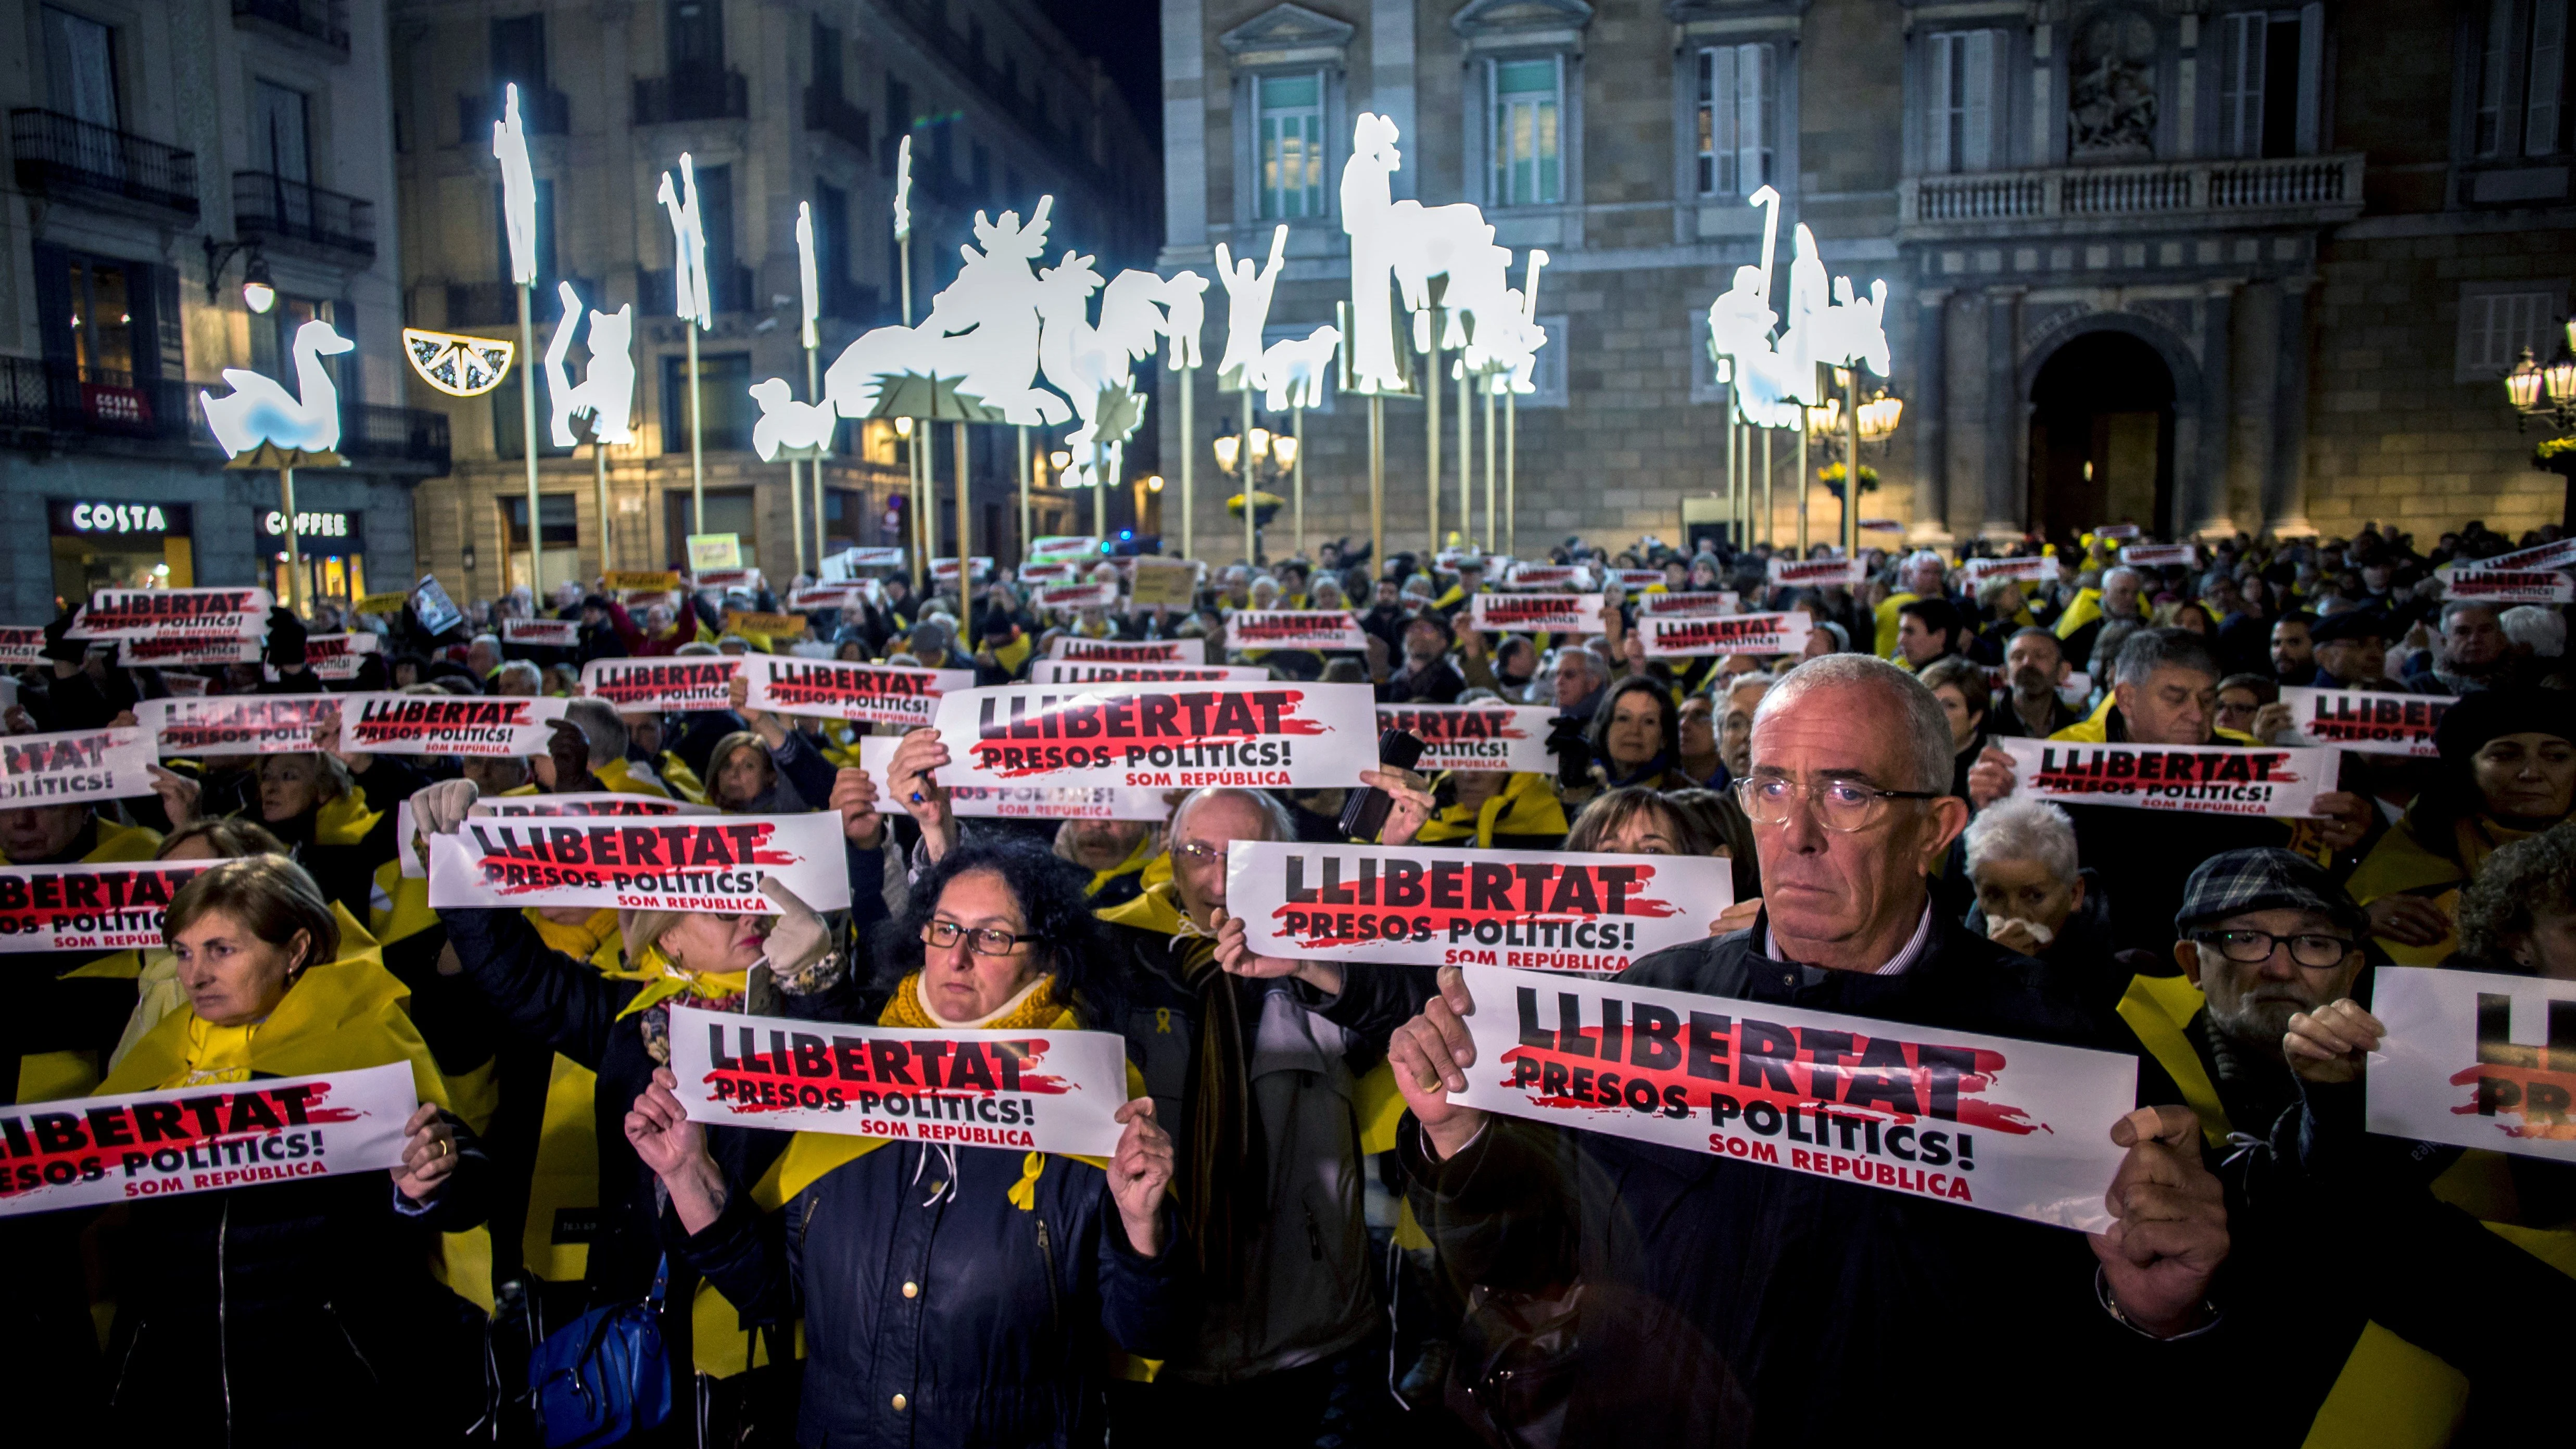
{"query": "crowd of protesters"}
(1301, 1239)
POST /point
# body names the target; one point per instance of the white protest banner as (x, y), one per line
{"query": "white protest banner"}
(715, 550)
(21, 647)
(185, 685)
(588, 802)
(90, 905)
(2157, 555)
(1415, 906)
(432, 608)
(847, 690)
(542, 633)
(2559, 555)
(680, 863)
(2475, 1059)
(1536, 613)
(235, 724)
(1634, 580)
(185, 650)
(945, 569)
(57, 769)
(725, 578)
(1073, 594)
(1023, 802)
(1816, 573)
(1160, 737)
(2015, 1127)
(1076, 671)
(1475, 736)
(1547, 576)
(1058, 572)
(1029, 1091)
(1055, 547)
(1129, 651)
(695, 683)
(2031, 569)
(1757, 634)
(2194, 779)
(141, 613)
(829, 596)
(339, 656)
(1165, 583)
(2371, 723)
(2116, 531)
(90, 1151)
(1693, 604)
(1293, 629)
(2510, 586)
(873, 558)
(1450, 558)
(418, 724)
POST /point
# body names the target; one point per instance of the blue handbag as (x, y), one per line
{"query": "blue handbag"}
(604, 1376)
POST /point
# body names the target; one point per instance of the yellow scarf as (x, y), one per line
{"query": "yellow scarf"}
(1134, 862)
(339, 1016)
(594, 940)
(1156, 909)
(1526, 805)
(216, 1053)
(664, 981)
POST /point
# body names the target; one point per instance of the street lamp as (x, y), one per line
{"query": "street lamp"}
(1258, 456)
(2548, 393)
(259, 291)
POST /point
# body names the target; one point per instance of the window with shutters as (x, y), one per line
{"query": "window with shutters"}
(1735, 108)
(1527, 103)
(1966, 101)
(2522, 79)
(1289, 130)
(2269, 63)
(2498, 320)
(80, 62)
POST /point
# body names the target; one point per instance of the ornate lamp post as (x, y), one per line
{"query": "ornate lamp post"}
(1271, 456)
(2547, 392)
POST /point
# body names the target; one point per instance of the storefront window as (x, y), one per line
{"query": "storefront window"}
(559, 517)
(729, 510)
(104, 544)
(333, 547)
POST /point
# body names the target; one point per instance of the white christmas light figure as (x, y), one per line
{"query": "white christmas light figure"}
(689, 238)
(1406, 244)
(1184, 315)
(518, 189)
(982, 334)
(1293, 369)
(798, 429)
(903, 190)
(259, 410)
(607, 390)
(805, 273)
(1094, 365)
(1247, 311)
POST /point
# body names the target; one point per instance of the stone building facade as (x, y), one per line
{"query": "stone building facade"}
(778, 102)
(2197, 264)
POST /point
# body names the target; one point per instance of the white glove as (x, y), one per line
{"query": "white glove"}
(799, 939)
(439, 809)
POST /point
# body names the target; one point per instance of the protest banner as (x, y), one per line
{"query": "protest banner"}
(944, 570)
(391, 603)
(143, 613)
(1031, 1091)
(587, 802)
(91, 1151)
(647, 581)
(827, 596)
(1636, 580)
(1816, 573)
(338, 657)
(2157, 555)
(1450, 558)
(1413, 906)
(1756, 634)
(2116, 532)
(1058, 572)
(1055, 547)
(1475, 736)
(235, 724)
(185, 685)
(89, 905)
(56, 769)
(1076, 594)
(1694, 604)
(542, 633)
(21, 647)
(691, 863)
(1159, 737)
(715, 551)
(847, 690)
(695, 683)
(1129, 651)
(416, 724)
(2027, 570)
(435, 611)
(1545, 576)
(1081, 671)
(2369, 722)
(725, 578)
(186, 650)
(2559, 555)
(2475, 1059)
(2509, 586)
(1294, 629)
(1164, 583)
(2194, 779)
(772, 626)
(1536, 613)
(2015, 1127)
(1021, 802)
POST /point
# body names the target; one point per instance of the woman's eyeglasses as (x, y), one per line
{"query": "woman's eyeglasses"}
(1840, 805)
(982, 940)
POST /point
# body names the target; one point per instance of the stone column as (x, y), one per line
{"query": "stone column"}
(1185, 204)
(2007, 418)
(2285, 481)
(1924, 411)
(1390, 84)
(2200, 493)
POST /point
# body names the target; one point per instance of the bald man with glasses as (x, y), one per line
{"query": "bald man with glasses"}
(1728, 1302)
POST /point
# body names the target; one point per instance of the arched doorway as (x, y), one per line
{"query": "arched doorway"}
(2102, 436)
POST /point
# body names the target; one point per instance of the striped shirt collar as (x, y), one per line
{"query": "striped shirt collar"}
(1897, 965)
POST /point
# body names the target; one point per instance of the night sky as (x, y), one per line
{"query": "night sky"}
(1127, 38)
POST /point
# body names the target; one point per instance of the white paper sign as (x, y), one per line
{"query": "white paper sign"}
(2030, 570)
(1073, 594)
(2371, 723)
(1547, 576)
(1755, 634)
(1690, 605)
(57, 769)
(90, 1151)
(1634, 580)
(1027, 1091)
(337, 656)
(2559, 555)
(542, 633)
(698, 682)
(89, 905)
(21, 647)
(1475, 736)
(1420, 906)
(142, 613)
(2510, 586)
(185, 651)
(2157, 555)
(1129, 651)
(2116, 531)
(1023, 802)
(587, 802)
(1047, 573)
(2475, 1059)
(872, 558)
(2195, 779)
(1293, 629)
(1160, 737)
(1058, 547)
(944, 570)
(2015, 1127)
(429, 724)
(236, 724)
(1073, 671)
(847, 690)
(1536, 613)
(680, 863)
(1817, 573)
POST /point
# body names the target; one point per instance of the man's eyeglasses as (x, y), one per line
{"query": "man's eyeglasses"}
(982, 940)
(1197, 853)
(1842, 805)
(2253, 948)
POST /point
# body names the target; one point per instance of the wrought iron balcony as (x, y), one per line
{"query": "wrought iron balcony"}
(496, 304)
(54, 405)
(323, 22)
(541, 113)
(372, 433)
(274, 208)
(691, 95)
(831, 113)
(2078, 199)
(731, 288)
(67, 158)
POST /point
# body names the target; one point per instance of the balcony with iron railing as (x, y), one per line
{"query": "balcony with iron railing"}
(274, 209)
(691, 95)
(53, 406)
(2075, 200)
(66, 158)
(732, 288)
(496, 304)
(321, 23)
(829, 112)
(541, 113)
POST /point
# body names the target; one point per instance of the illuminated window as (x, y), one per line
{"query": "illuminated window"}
(1291, 131)
(1735, 89)
(1528, 102)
